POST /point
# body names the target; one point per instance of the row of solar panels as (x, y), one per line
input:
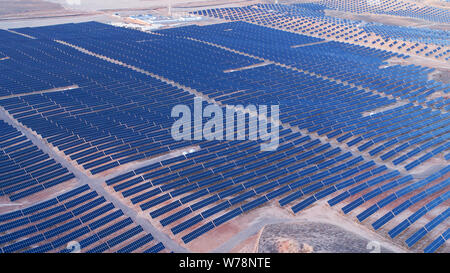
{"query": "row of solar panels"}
(24, 168)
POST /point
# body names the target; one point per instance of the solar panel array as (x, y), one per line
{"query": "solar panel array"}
(80, 123)
(24, 168)
(423, 35)
(79, 215)
(370, 131)
(21, 74)
(352, 132)
(410, 83)
(310, 19)
(390, 7)
(207, 188)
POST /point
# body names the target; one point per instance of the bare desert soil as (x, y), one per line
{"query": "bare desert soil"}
(8, 7)
(313, 237)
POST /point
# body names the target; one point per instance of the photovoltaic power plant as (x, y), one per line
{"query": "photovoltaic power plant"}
(85, 127)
